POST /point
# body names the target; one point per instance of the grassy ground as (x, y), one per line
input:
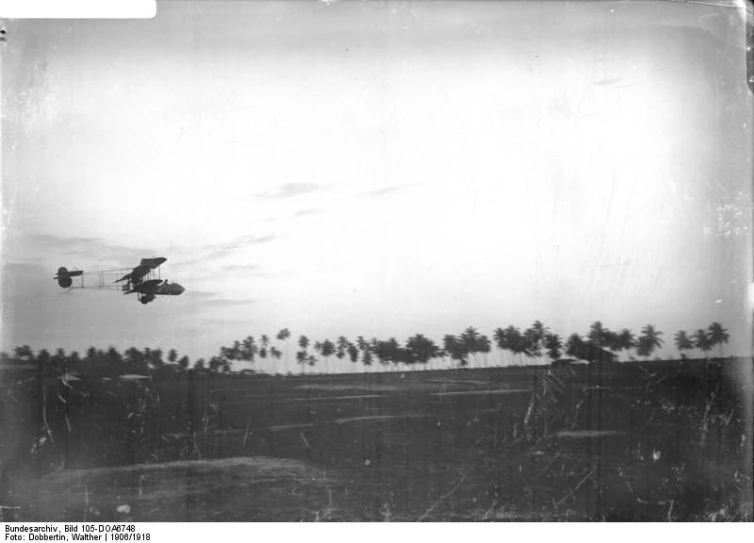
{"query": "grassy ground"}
(642, 441)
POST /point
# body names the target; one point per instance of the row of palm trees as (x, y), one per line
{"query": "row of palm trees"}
(704, 340)
(104, 361)
(600, 343)
(534, 342)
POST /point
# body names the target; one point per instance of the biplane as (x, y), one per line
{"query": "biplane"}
(144, 280)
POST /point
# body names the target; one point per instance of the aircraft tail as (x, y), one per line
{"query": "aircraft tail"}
(64, 276)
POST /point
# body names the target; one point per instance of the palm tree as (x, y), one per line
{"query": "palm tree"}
(301, 359)
(318, 346)
(24, 353)
(421, 349)
(387, 351)
(367, 358)
(43, 360)
(649, 340)
(501, 341)
(683, 342)
(381, 350)
(283, 335)
(114, 360)
(575, 346)
(225, 352)
(135, 362)
(215, 364)
(597, 333)
(264, 341)
(301, 356)
(157, 358)
(540, 329)
(91, 354)
(470, 341)
(74, 361)
(535, 337)
(702, 341)
(327, 350)
(626, 340)
(237, 351)
(365, 348)
(183, 363)
(60, 362)
(718, 335)
(553, 344)
(353, 352)
(518, 343)
(484, 346)
(342, 347)
(249, 349)
(454, 348)
(532, 342)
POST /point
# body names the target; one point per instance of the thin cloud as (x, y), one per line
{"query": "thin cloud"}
(306, 212)
(243, 268)
(25, 281)
(271, 274)
(248, 270)
(219, 251)
(207, 299)
(49, 239)
(382, 192)
(614, 83)
(92, 249)
(606, 82)
(29, 268)
(227, 302)
(220, 322)
(290, 190)
(199, 294)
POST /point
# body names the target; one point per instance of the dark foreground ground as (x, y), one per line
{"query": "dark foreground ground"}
(654, 441)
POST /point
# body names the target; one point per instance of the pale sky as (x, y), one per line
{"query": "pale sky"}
(378, 169)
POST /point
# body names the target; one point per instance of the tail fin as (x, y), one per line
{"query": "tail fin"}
(64, 280)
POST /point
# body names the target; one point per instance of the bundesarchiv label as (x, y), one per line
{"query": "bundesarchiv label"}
(74, 532)
(33, 533)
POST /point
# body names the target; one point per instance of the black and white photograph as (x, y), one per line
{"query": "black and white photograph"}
(378, 261)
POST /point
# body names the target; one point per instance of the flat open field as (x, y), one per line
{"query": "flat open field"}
(650, 441)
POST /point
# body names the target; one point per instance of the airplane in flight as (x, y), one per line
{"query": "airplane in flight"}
(143, 280)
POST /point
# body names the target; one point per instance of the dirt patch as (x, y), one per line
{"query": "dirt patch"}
(379, 418)
(200, 490)
(579, 434)
(460, 381)
(236, 431)
(354, 386)
(285, 427)
(327, 398)
(481, 392)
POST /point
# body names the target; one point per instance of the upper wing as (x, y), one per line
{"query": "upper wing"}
(144, 269)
